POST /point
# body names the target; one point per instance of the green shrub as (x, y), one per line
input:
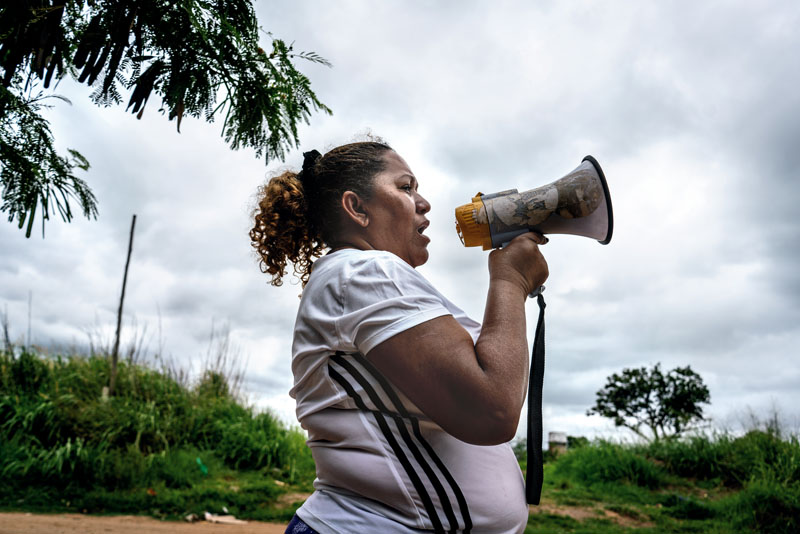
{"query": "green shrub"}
(604, 462)
(57, 430)
(34, 419)
(698, 457)
(73, 462)
(681, 507)
(299, 468)
(731, 461)
(767, 505)
(256, 442)
(213, 385)
(576, 442)
(180, 468)
(119, 469)
(29, 373)
(759, 454)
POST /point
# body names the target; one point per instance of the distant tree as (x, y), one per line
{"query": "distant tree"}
(576, 442)
(202, 57)
(666, 404)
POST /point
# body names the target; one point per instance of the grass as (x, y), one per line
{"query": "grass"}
(157, 446)
(163, 448)
(718, 484)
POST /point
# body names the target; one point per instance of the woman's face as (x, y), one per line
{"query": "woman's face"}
(396, 213)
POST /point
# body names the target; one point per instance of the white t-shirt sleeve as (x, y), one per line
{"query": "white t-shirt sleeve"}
(383, 297)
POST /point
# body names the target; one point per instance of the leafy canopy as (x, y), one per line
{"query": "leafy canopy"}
(201, 57)
(666, 404)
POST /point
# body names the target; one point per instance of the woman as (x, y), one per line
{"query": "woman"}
(408, 403)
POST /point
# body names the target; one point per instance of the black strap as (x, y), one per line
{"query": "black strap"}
(534, 474)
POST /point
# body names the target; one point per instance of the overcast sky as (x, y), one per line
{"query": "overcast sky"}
(691, 108)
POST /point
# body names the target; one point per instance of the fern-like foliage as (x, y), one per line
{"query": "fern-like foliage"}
(200, 58)
(32, 173)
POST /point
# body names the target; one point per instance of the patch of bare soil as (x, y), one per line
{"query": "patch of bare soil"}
(625, 520)
(288, 499)
(25, 523)
(582, 513)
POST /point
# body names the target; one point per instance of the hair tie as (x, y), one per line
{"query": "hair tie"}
(309, 160)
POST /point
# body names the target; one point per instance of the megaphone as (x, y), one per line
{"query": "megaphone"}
(577, 204)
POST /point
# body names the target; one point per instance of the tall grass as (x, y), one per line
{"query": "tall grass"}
(605, 462)
(755, 477)
(58, 432)
(732, 461)
(762, 465)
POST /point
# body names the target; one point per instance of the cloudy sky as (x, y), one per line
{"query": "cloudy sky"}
(692, 109)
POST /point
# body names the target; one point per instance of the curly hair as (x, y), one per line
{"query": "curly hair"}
(299, 214)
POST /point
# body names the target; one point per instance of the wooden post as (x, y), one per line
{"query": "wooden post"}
(30, 305)
(115, 353)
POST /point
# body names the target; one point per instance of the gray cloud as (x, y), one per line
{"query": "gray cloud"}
(694, 124)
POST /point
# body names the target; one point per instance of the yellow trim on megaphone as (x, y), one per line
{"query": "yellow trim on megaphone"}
(471, 232)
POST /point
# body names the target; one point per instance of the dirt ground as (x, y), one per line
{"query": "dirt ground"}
(23, 523)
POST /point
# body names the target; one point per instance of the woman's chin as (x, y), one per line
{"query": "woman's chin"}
(419, 259)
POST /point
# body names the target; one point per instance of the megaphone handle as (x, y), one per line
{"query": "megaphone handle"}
(534, 472)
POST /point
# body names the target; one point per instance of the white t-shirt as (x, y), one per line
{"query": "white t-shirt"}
(382, 465)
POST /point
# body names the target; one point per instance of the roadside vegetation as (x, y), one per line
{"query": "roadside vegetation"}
(159, 446)
(706, 483)
(163, 447)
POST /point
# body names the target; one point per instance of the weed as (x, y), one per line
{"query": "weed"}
(64, 448)
(767, 505)
(607, 462)
(137, 451)
(682, 507)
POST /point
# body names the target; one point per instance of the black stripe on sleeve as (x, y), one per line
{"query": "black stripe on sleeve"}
(398, 451)
(387, 387)
(444, 498)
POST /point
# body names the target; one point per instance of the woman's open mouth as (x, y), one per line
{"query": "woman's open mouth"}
(421, 228)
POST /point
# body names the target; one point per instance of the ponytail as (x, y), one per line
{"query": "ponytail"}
(282, 232)
(299, 214)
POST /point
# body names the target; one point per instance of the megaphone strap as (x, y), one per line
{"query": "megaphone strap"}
(534, 472)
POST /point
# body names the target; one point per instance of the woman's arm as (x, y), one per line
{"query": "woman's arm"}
(474, 392)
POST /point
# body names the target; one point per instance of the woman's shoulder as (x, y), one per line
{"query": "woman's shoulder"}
(348, 276)
(349, 281)
(351, 262)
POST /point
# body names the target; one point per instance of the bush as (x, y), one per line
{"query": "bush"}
(57, 431)
(183, 468)
(731, 461)
(696, 457)
(576, 442)
(29, 374)
(681, 507)
(767, 505)
(604, 462)
(71, 463)
(252, 442)
(758, 454)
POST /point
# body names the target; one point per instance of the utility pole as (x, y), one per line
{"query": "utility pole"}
(30, 305)
(115, 353)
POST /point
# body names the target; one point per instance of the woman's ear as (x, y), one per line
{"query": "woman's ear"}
(354, 208)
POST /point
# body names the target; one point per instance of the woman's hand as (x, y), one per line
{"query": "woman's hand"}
(520, 263)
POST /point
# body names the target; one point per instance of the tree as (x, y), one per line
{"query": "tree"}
(667, 404)
(201, 57)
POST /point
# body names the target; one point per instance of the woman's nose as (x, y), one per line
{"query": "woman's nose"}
(423, 206)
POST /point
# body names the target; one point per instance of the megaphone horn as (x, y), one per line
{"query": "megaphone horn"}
(577, 204)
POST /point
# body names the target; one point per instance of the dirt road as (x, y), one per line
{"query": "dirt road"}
(22, 523)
